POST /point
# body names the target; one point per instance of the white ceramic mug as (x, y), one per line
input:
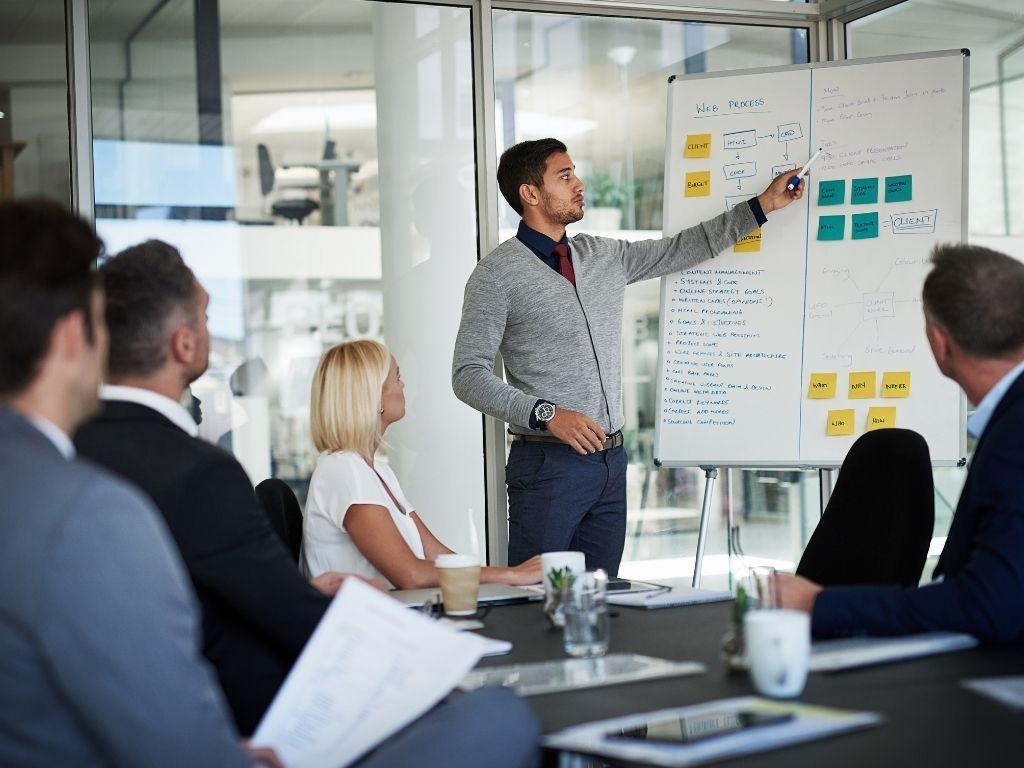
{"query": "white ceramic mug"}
(549, 561)
(779, 650)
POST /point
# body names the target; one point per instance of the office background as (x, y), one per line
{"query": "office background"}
(327, 169)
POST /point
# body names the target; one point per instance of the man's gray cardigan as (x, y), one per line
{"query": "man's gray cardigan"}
(559, 343)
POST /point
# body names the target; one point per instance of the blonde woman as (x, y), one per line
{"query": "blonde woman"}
(357, 519)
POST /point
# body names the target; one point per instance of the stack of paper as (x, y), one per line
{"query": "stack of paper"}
(809, 723)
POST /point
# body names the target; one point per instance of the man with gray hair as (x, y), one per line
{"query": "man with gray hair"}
(258, 611)
(974, 320)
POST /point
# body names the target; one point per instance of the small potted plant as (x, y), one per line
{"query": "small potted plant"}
(734, 646)
(559, 582)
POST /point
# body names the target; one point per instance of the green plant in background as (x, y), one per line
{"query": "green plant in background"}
(605, 192)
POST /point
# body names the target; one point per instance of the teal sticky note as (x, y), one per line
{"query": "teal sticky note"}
(864, 192)
(864, 226)
(831, 227)
(898, 189)
(832, 192)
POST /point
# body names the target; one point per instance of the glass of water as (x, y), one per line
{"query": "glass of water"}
(762, 588)
(586, 615)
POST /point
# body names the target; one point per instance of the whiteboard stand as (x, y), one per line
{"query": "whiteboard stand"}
(825, 485)
(710, 475)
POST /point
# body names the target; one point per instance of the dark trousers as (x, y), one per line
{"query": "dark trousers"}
(559, 500)
(491, 727)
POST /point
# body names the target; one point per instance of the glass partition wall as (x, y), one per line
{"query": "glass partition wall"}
(35, 138)
(599, 84)
(318, 164)
(314, 162)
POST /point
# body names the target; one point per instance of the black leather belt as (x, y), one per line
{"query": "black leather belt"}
(612, 441)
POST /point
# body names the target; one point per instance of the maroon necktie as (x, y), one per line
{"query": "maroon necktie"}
(564, 264)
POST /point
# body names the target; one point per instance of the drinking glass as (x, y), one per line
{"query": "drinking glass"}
(762, 588)
(586, 615)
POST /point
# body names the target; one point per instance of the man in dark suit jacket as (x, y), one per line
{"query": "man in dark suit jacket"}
(258, 610)
(974, 320)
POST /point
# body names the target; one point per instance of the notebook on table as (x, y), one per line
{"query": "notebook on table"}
(489, 593)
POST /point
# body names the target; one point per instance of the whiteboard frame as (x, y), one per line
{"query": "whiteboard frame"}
(965, 54)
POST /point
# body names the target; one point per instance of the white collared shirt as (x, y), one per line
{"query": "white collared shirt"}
(983, 413)
(166, 407)
(54, 434)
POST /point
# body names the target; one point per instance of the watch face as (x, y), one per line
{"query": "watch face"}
(545, 412)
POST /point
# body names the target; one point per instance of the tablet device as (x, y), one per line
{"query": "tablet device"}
(693, 728)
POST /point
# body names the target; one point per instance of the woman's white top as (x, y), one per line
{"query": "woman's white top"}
(339, 481)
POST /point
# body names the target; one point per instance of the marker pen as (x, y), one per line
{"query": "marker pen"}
(794, 180)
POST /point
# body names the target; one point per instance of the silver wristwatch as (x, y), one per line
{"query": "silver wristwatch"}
(544, 412)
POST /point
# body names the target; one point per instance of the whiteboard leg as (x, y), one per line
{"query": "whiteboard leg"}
(710, 474)
(824, 488)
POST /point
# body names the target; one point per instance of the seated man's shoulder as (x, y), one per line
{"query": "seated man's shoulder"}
(68, 498)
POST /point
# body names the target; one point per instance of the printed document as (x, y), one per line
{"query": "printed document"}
(371, 667)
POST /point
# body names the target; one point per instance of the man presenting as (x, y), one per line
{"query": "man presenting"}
(553, 308)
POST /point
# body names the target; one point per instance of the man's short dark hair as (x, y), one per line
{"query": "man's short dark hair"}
(977, 296)
(47, 256)
(524, 163)
(146, 284)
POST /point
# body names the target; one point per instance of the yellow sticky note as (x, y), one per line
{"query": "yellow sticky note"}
(840, 422)
(698, 184)
(823, 386)
(697, 145)
(750, 243)
(896, 384)
(881, 417)
(862, 385)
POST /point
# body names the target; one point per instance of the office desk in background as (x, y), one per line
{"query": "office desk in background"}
(930, 719)
(333, 191)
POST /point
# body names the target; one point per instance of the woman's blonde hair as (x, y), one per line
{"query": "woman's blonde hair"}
(344, 412)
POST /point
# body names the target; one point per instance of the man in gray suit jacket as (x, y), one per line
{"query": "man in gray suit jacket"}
(99, 639)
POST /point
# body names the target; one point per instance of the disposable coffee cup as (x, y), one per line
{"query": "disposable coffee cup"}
(460, 583)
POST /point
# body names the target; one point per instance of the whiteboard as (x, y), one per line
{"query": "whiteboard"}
(829, 291)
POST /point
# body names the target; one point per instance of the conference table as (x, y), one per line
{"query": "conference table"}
(929, 718)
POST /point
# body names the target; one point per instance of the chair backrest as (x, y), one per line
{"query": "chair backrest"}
(283, 510)
(266, 169)
(878, 524)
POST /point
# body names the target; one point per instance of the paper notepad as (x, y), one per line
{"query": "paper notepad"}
(834, 655)
(808, 724)
(670, 597)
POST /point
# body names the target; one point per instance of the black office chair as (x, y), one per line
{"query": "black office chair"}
(283, 510)
(293, 209)
(878, 523)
